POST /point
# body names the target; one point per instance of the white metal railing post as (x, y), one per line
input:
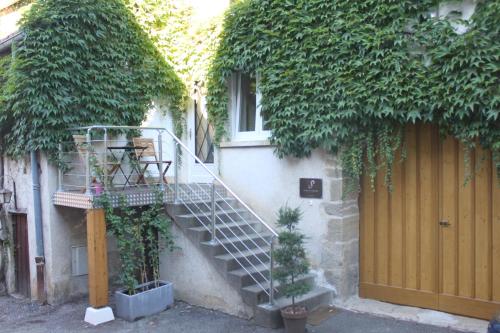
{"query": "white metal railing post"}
(271, 269)
(176, 172)
(160, 164)
(59, 171)
(87, 164)
(105, 162)
(212, 210)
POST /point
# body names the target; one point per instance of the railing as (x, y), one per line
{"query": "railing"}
(92, 168)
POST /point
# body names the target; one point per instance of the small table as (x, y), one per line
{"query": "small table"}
(131, 152)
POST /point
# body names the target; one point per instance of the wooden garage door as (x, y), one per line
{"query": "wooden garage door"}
(433, 242)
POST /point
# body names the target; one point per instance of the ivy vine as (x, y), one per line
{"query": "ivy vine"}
(349, 76)
(81, 62)
(185, 43)
(141, 234)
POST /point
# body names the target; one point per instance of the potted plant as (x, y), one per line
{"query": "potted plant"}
(291, 263)
(141, 234)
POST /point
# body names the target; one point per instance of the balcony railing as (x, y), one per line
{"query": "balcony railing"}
(107, 159)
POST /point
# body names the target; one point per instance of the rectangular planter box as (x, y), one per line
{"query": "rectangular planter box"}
(145, 303)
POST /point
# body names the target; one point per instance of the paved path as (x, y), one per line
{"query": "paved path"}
(21, 316)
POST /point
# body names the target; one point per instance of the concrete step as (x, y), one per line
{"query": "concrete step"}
(230, 215)
(270, 316)
(226, 229)
(195, 206)
(250, 275)
(237, 244)
(254, 294)
(230, 262)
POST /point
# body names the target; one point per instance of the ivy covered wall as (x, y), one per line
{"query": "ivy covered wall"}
(348, 76)
(82, 62)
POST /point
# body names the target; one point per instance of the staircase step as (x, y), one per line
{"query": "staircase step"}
(270, 316)
(250, 275)
(237, 244)
(254, 294)
(194, 206)
(229, 215)
(229, 262)
(229, 229)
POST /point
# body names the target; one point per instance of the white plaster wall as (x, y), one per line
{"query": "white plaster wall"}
(21, 172)
(197, 281)
(62, 229)
(266, 183)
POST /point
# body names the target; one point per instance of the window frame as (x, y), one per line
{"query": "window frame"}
(259, 133)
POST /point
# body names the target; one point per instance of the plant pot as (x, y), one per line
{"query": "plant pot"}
(295, 321)
(494, 326)
(144, 303)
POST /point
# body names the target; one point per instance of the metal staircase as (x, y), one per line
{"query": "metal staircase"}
(238, 242)
(232, 236)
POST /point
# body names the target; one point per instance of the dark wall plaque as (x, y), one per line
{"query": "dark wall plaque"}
(311, 188)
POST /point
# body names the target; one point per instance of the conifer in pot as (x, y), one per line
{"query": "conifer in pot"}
(291, 264)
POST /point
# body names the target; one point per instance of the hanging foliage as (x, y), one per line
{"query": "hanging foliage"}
(81, 62)
(348, 76)
(187, 44)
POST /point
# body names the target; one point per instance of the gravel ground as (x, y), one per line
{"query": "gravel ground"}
(17, 315)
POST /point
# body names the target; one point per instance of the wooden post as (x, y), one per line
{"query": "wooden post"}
(97, 258)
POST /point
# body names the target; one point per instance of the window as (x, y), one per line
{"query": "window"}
(248, 123)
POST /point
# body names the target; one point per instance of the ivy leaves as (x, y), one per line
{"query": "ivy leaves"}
(81, 62)
(349, 76)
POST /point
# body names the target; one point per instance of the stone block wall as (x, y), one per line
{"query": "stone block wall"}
(340, 257)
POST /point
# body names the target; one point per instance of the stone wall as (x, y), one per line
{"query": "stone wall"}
(340, 258)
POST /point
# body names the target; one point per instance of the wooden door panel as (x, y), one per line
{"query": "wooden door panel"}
(367, 246)
(407, 257)
(428, 208)
(398, 229)
(482, 226)
(465, 226)
(22, 255)
(410, 208)
(495, 238)
(448, 209)
(396, 234)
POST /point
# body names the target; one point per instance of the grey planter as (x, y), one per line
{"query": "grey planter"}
(145, 303)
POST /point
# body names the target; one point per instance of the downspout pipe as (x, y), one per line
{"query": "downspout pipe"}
(37, 205)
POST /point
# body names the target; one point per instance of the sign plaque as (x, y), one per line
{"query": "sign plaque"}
(311, 188)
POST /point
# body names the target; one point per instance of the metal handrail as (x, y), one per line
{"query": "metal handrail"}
(177, 143)
(229, 252)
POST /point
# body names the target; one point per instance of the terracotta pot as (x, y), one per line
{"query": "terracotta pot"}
(295, 321)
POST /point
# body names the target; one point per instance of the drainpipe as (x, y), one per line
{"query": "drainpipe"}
(37, 203)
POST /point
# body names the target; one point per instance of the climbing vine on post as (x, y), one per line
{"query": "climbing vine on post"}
(81, 62)
(349, 76)
(141, 234)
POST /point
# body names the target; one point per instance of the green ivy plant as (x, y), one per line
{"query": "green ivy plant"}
(142, 233)
(349, 76)
(81, 62)
(186, 44)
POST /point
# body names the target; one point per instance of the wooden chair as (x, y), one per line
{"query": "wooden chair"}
(148, 152)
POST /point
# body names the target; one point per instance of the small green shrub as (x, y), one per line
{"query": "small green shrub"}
(290, 256)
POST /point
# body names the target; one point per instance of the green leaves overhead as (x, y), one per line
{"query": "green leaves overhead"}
(348, 76)
(81, 62)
